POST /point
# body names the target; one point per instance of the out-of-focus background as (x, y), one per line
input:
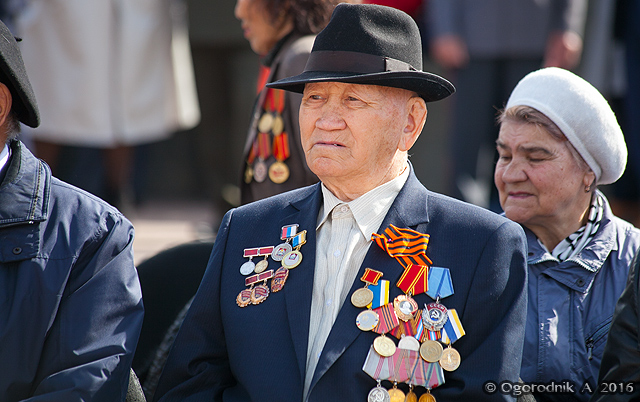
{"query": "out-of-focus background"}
(181, 186)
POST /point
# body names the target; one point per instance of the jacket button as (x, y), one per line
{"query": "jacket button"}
(17, 250)
(580, 282)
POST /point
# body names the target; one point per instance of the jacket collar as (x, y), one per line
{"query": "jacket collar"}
(24, 194)
(578, 272)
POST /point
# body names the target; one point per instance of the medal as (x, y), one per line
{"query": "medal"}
(378, 394)
(293, 258)
(427, 397)
(450, 359)
(259, 171)
(279, 279)
(248, 174)
(384, 346)
(434, 316)
(405, 307)
(367, 320)
(249, 267)
(244, 298)
(265, 123)
(431, 351)
(254, 295)
(277, 126)
(411, 397)
(412, 281)
(396, 395)
(278, 172)
(282, 249)
(364, 296)
(409, 343)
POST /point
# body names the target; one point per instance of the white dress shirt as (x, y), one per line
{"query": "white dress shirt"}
(343, 238)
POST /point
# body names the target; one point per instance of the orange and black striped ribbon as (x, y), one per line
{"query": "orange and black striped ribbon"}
(406, 245)
(388, 319)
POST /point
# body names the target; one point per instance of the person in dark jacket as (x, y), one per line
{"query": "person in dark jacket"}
(558, 140)
(70, 300)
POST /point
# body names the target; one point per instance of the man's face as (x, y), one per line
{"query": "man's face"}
(351, 133)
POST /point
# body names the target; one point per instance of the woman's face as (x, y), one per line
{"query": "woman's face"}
(261, 32)
(539, 181)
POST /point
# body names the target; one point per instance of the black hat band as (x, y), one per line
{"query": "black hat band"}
(354, 62)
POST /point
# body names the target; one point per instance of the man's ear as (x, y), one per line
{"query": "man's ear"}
(416, 118)
(5, 103)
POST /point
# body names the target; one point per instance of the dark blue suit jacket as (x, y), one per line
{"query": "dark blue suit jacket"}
(258, 353)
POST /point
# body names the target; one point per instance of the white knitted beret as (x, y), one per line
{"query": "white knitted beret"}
(583, 115)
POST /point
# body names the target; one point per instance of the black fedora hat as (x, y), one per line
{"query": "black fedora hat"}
(369, 44)
(14, 76)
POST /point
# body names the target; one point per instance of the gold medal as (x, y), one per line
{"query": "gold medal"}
(248, 174)
(292, 259)
(244, 298)
(405, 307)
(278, 172)
(279, 279)
(427, 397)
(411, 396)
(384, 346)
(431, 351)
(261, 266)
(259, 294)
(396, 395)
(277, 126)
(362, 297)
(450, 359)
(265, 123)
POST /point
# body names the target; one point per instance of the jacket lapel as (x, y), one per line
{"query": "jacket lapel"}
(299, 286)
(408, 210)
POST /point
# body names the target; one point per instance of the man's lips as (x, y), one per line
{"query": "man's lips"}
(518, 194)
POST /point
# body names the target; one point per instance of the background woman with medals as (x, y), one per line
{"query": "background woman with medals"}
(282, 32)
(558, 140)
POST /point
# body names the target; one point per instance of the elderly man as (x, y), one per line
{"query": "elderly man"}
(357, 287)
(71, 306)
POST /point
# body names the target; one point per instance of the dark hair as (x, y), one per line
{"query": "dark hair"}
(13, 125)
(309, 16)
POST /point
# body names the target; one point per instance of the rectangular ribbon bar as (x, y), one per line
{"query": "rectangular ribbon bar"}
(258, 277)
(289, 231)
(299, 239)
(440, 285)
(414, 279)
(452, 330)
(371, 276)
(380, 294)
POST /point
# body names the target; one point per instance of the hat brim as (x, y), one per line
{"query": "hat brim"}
(429, 86)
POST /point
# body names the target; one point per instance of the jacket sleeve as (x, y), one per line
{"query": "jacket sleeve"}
(493, 319)
(197, 368)
(621, 356)
(88, 352)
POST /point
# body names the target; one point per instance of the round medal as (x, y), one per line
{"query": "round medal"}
(244, 298)
(384, 346)
(378, 394)
(362, 297)
(434, 316)
(427, 397)
(259, 171)
(431, 351)
(265, 123)
(278, 125)
(405, 307)
(409, 342)
(259, 294)
(261, 266)
(280, 251)
(278, 172)
(248, 174)
(280, 277)
(396, 395)
(292, 259)
(247, 267)
(450, 359)
(367, 320)
(411, 397)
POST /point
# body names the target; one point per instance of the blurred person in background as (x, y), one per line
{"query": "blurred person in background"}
(109, 76)
(558, 141)
(282, 33)
(488, 46)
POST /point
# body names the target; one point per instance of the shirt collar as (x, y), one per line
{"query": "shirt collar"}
(4, 156)
(370, 208)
